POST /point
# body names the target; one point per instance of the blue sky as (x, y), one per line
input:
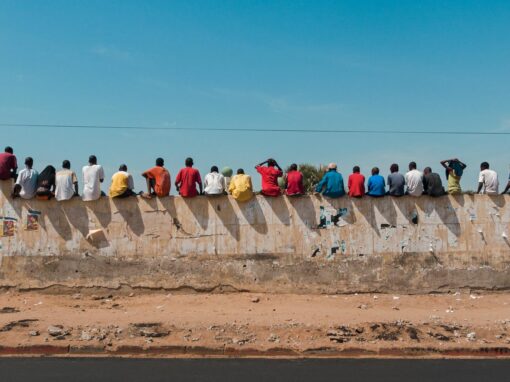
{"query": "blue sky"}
(379, 65)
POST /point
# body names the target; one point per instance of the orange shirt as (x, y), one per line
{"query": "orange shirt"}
(161, 178)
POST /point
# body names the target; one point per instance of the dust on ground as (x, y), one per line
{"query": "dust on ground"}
(301, 323)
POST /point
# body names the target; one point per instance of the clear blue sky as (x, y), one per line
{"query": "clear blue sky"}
(405, 65)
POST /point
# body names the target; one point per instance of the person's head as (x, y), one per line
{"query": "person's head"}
(271, 162)
(484, 166)
(293, 167)
(412, 166)
(394, 168)
(92, 159)
(240, 171)
(332, 167)
(427, 170)
(123, 167)
(29, 162)
(188, 162)
(355, 169)
(9, 150)
(375, 171)
(160, 162)
(66, 164)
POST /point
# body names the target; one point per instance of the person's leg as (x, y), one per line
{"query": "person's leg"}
(127, 193)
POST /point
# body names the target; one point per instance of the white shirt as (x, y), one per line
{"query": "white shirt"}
(214, 183)
(92, 175)
(414, 181)
(27, 179)
(64, 184)
(489, 178)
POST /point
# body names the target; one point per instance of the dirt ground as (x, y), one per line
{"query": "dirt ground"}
(254, 324)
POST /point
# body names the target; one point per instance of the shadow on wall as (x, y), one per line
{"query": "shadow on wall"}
(59, 221)
(386, 210)
(101, 209)
(447, 212)
(129, 209)
(279, 208)
(304, 207)
(77, 215)
(254, 215)
(199, 208)
(225, 212)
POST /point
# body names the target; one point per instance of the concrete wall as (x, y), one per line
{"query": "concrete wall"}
(268, 244)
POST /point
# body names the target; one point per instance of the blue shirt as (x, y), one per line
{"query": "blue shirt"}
(333, 184)
(376, 185)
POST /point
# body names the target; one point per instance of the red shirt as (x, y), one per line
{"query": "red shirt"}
(270, 177)
(295, 183)
(187, 179)
(356, 184)
(7, 163)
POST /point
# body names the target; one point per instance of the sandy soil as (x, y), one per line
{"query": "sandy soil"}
(270, 324)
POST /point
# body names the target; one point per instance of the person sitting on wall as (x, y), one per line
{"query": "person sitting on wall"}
(294, 181)
(187, 179)
(8, 164)
(46, 183)
(454, 170)
(376, 184)
(158, 180)
(122, 183)
(332, 183)
(26, 183)
(414, 181)
(66, 182)
(241, 187)
(356, 183)
(214, 182)
(396, 181)
(270, 176)
(488, 182)
(93, 176)
(432, 184)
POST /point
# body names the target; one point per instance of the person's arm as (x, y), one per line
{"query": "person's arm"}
(231, 186)
(101, 174)
(320, 185)
(278, 166)
(446, 164)
(506, 188)
(481, 182)
(178, 181)
(462, 164)
(261, 163)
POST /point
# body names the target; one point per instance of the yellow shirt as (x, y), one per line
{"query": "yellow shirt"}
(121, 181)
(454, 184)
(241, 188)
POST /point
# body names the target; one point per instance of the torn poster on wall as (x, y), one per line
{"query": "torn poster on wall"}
(8, 227)
(32, 220)
(330, 217)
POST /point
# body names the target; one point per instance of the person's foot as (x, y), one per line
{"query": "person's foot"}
(145, 195)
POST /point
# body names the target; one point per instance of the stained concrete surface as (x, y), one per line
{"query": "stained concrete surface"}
(248, 370)
(308, 244)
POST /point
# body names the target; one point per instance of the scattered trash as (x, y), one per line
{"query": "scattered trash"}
(33, 333)
(255, 299)
(57, 331)
(20, 323)
(471, 336)
(9, 309)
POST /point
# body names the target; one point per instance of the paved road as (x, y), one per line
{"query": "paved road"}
(248, 370)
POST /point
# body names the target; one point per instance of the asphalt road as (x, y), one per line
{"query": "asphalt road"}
(248, 370)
